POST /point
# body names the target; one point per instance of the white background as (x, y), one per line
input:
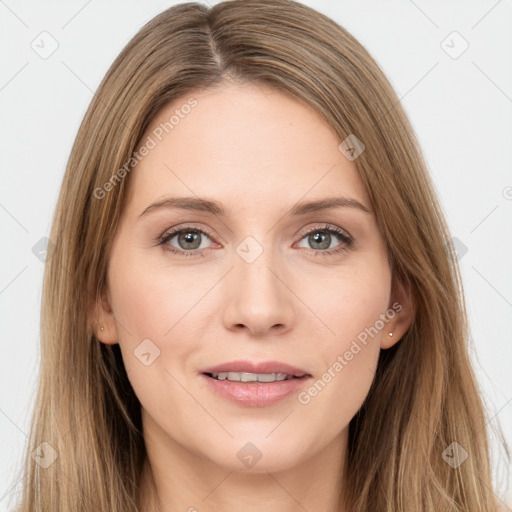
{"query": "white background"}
(460, 108)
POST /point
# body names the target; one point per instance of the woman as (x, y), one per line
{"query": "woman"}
(253, 301)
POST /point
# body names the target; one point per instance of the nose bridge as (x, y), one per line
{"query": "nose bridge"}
(258, 298)
(253, 263)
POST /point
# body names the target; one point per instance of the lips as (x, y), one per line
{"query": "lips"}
(235, 381)
(266, 367)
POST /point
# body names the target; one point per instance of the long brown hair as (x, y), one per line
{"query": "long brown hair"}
(424, 396)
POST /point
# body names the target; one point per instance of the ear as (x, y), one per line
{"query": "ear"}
(403, 304)
(102, 320)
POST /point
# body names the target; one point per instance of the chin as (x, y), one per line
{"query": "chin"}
(256, 456)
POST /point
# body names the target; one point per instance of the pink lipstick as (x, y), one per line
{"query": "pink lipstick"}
(255, 384)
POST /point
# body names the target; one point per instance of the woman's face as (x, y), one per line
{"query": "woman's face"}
(241, 267)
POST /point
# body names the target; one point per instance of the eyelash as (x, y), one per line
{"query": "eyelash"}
(327, 228)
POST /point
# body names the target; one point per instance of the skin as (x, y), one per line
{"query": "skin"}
(258, 152)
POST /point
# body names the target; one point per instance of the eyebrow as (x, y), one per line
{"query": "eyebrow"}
(215, 208)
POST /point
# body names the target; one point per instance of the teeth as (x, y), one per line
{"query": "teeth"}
(251, 377)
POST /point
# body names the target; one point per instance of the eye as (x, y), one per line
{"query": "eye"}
(321, 239)
(188, 241)
(192, 241)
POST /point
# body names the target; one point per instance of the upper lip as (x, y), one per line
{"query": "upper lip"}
(254, 367)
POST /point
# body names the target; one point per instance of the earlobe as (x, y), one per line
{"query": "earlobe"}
(103, 321)
(402, 303)
(105, 335)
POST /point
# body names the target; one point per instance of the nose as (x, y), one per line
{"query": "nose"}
(258, 297)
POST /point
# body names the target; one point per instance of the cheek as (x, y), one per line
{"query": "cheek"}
(142, 303)
(352, 303)
(150, 297)
(353, 311)
(348, 362)
(164, 305)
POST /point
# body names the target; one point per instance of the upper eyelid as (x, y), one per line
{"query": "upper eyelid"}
(326, 227)
(177, 230)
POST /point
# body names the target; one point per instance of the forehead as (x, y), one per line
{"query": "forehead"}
(242, 142)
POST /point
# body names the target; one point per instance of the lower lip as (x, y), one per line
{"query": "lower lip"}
(255, 394)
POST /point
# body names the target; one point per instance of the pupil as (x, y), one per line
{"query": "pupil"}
(189, 240)
(321, 238)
